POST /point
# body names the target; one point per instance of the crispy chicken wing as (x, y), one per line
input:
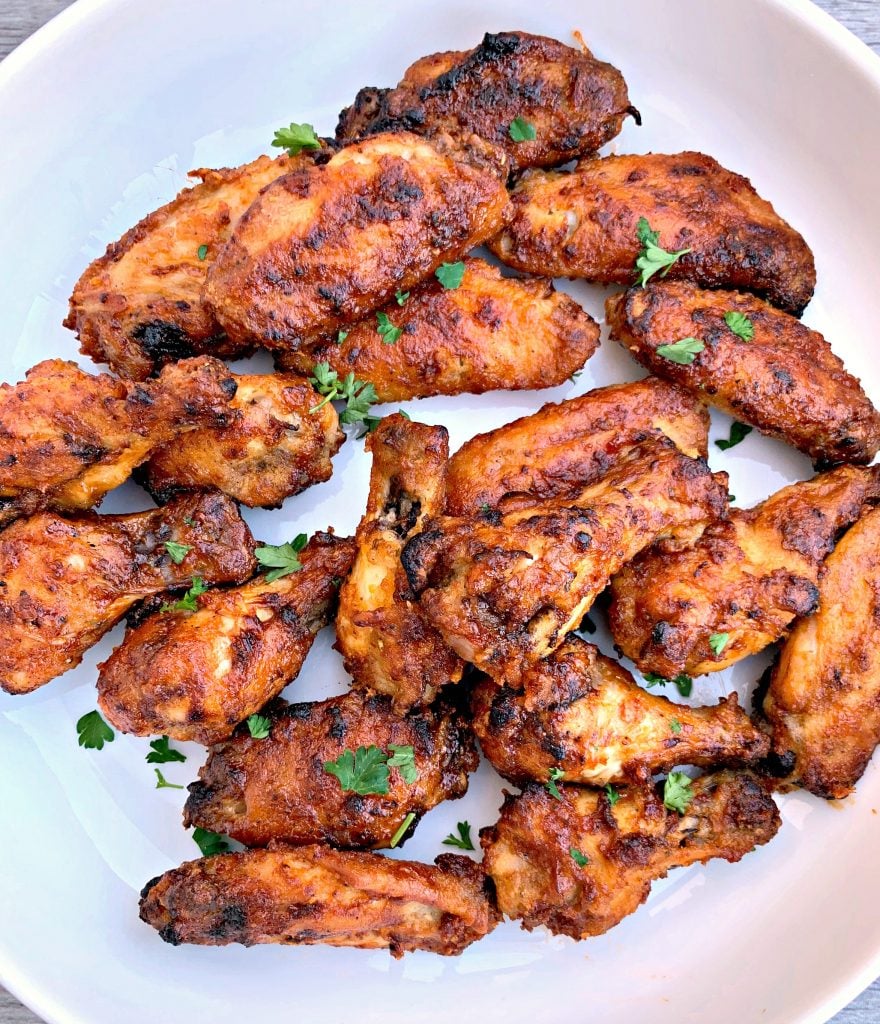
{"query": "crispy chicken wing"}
(585, 715)
(574, 103)
(567, 446)
(258, 790)
(785, 380)
(273, 446)
(746, 578)
(313, 894)
(505, 588)
(196, 675)
(325, 245)
(67, 581)
(626, 845)
(583, 223)
(68, 437)
(490, 333)
(823, 703)
(382, 635)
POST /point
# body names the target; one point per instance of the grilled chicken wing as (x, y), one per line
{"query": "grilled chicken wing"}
(746, 578)
(325, 245)
(313, 894)
(583, 223)
(196, 675)
(574, 103)
(785, 380)
(490, 333)
(626, 845)
(585, 715)
(823, 703)
(382, 635)
(564, 447)
(259, 790)
(274, 446)
(505, 588)
(68, 437)
(67, 581)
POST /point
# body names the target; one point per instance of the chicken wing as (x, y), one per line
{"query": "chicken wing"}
(584, 715)
(505, 588)
(745, 579)
(325, 245)
(490, 333)
(273, 447)
(259, 790)
(567, 446)
(582, 863)
(823, 702)
(784, 379)
(68, 437)
(584, 223)
(194, 675)
(573, 103)
(382, 635)
(313, 894)
(67, 581)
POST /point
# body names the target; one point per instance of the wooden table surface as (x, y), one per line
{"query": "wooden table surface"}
(20, 18)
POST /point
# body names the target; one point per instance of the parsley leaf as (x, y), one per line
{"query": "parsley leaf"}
(177, 552)
(188, 602)
(202, 252)
(450, 275)
(281, 559)
(93, 731)
(404, 825)
(363, 771)
(163, 783)
(259, 726)
(401, 297)
(521, 130)
(674, 726)
(740, 324)
(682, 352)
(210, 843)
(737, 432)
(296, 137)
(403, 759)
(612, 794)
(718, 641)
(652, 257)
(554, 776)
(463, 840)
(387, 330)
(579, 858)
(162, 753)
(358, 395)
(683, 683)
(341, 336)
(677, 792)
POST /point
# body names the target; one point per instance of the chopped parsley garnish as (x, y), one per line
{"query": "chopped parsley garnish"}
(188, 602)
(652, 257)
(683, 683)
(202, 252)
(682, 352)
(210, 843)
(189, 521)
(358, 395)
(737, 432)
(450, 275)
(718, 641)
(387, 330)
(404, 825)
(259, 726)
(93, 732)
(401, 297)
(463, 840)
(162, 753)
(674, 726)
(579, 858)
(365, 770)
(740, 324)
(163, 783)
(521, 130)
(341, 336)
(554, 776)
(177, 552)
(677, 793)
(296, 137)
(485, 508)
(612, 795)
(573, 377)
(281, 559)
(403, 759)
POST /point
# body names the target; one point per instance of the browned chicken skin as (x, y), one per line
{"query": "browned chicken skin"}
(314, 894)
(574, 102)
(276, 788)
(325, 245)
(585, 715)
(196, 675)
(382, 635)
(564, 447)
(823, 703)
(67, 581)
(273, 447)
(583, 223)
(786, 381)
(505, 588)
(628, 845)
(747, 577)
(490, 333)
(68, 437)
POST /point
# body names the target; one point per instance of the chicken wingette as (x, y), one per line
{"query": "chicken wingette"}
(583, 715)
(581, 863)
(771, 371)
(195, 674)
(277, 787)
(314, 894)
(585, 223)
(324, 245)
(823, 702)
(570, 103)
(504, 588)
(69, 437)
(385, 641)
(739, 587)
(68, 580)
(489, 333)
(564, 447)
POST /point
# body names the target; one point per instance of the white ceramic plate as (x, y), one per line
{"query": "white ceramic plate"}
(103, 112)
